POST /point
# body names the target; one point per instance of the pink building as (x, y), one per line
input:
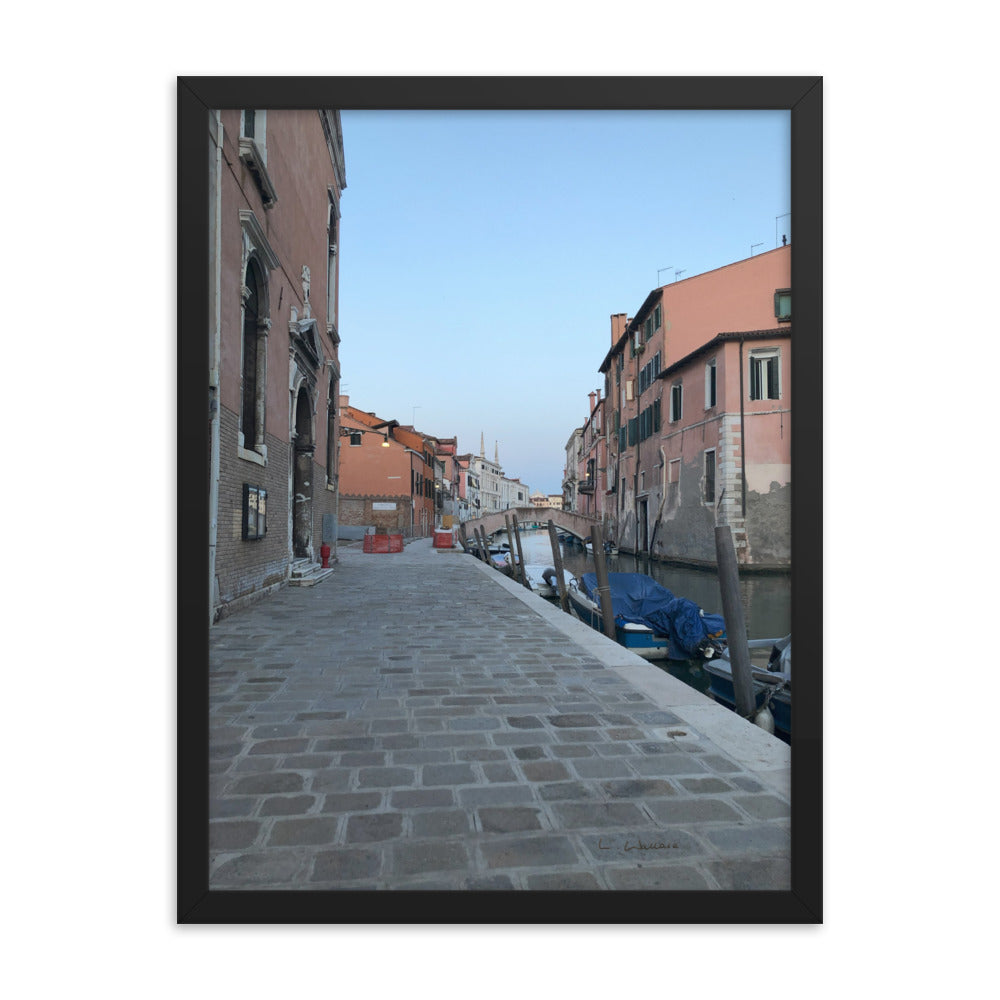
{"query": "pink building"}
(275, 181)
(700, 383)
(591, 470)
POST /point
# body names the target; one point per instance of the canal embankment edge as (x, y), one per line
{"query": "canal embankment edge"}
(768, 757)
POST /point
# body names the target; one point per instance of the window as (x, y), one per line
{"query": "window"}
(783, 305)
(630, 389)
(710, 396)
(258, 261)
(709, 496)
(652, 323)
(254, 361)
(649, 421)
(253, 125)
(355, 439)
(649, 372)
(673, 481)
(332, 397)
(253, 152)
(765, 375)
(676, 400)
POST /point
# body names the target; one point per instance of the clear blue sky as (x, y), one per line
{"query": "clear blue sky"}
(483, 254)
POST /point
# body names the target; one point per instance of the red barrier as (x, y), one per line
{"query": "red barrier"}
(444, 538)
(383, 543)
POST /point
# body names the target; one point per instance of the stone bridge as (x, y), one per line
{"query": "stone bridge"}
(566, 520)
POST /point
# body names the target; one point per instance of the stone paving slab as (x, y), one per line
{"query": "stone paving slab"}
(419, 721)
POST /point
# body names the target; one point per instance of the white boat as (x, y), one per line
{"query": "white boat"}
(543, 579)
(772, 681)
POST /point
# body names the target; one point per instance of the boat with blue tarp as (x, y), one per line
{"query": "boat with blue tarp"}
(649, 619)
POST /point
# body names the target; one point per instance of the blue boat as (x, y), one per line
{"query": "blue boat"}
(772, 682)
(649, 619)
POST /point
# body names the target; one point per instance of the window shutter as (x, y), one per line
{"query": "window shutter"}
(754, 378)
(656, 415)
(772, 378)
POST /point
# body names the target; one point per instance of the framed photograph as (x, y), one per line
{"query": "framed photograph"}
(340, 737)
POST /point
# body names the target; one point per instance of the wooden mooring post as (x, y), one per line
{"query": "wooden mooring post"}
(514, 573)
(557, 560)
(463, 537)
(736, 629)
(603, 586)
(520, 552)
(484, 551)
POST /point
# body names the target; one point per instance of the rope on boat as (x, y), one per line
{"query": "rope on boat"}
(769, 697)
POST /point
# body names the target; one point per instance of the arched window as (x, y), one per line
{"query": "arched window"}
(251, 414)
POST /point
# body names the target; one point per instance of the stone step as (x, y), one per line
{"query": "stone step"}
(305, 573)
(309, 578)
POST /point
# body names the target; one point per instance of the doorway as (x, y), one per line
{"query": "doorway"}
(302, 470)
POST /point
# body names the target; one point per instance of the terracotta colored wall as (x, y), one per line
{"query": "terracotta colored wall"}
(739, 296)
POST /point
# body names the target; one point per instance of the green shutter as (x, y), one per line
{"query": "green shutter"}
(772, 378)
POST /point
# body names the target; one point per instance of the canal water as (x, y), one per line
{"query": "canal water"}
(767, 597)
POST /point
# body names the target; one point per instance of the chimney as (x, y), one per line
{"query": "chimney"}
(618, 323)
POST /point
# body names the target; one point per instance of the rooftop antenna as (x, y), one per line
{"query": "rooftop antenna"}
(661, 270)
(755, 245)
(776, 218)
(676, 273)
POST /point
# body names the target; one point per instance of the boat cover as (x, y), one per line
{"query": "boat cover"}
(638, 598)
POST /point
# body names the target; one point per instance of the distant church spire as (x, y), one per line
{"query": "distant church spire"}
(482, 445)
(496, 452)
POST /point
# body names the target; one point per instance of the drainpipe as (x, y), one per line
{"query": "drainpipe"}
(213, 383)
(663, 498)
(635, 477)
(743, 450)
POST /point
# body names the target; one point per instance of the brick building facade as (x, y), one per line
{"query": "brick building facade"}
(276, 179)
(388, 474)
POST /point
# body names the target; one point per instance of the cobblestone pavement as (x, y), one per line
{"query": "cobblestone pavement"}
(411, 723)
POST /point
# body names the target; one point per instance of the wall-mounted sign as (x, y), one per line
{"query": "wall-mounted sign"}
(383, 506)
(254, 512)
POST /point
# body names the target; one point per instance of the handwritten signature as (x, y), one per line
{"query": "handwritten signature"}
(639, 845)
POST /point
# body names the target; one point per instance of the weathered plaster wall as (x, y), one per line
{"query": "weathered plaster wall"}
(769, 527)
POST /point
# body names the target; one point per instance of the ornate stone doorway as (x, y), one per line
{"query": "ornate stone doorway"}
(302, 474)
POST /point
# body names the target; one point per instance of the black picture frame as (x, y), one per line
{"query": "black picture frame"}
(802, 96)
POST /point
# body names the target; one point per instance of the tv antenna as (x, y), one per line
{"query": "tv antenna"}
(677, 273)
(661, 270)
(755, 245)
(776, 218)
